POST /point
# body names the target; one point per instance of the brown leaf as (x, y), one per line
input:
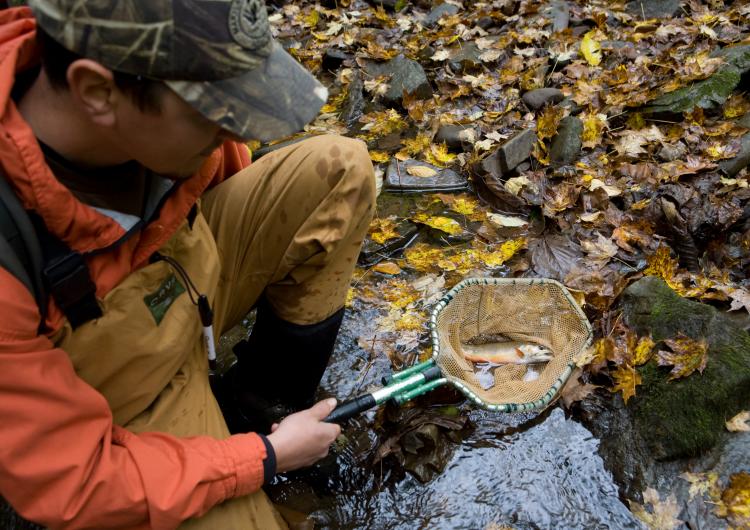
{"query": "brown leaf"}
(574, 390)
(387, 267)
(686, 357)
(662, 514)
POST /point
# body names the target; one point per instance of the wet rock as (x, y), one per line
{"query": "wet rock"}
(373, 252)
(333, 58)
(466, 57)
(537, 98)
(566, 144)
(510, 154)
(560, 14)
(354, 106)
(670, 152)
(653, 8)
(710, 92)
(734, 165)
(744, 121)
(686, 417)
(406, 76)
(456, 137)
(398, 178)
(439, 12)
(486, 23)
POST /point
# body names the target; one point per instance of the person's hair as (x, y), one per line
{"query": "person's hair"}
(56, 59)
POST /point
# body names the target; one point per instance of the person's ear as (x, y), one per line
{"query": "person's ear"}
(93, 88)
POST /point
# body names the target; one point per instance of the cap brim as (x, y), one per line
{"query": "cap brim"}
(272, 101)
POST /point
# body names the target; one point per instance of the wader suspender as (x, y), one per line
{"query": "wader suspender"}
(43, 263)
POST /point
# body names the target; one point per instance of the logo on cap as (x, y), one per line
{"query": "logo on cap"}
(248, 23)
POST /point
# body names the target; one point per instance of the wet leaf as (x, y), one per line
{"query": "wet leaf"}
(686, 357)
(382, 230)
(387, 267)
(504, 221)
(735, 505)
(739, 423)
(702, 484)
(445, 224)
(553, 256)
(657, 514)
(574, 390)
(626, 380)
(547, 122)
(421, 171)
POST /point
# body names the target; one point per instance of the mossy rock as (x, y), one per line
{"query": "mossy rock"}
(684, 418)
(705, 94)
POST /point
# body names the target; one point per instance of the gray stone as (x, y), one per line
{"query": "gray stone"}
(333, 58)
(397, 178)
(406, 76)
(439, 12)
(560, 14)
(671, 152)
(354, 106)
(537, 98)
(454, 136)
(466, 57)
(744, 121)
(653, 8)
(734, 165)
(685, 417)
(566, 145)
(510, 154)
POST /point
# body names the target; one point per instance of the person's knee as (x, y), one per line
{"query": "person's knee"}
(345, 163)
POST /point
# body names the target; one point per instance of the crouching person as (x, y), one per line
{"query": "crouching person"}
(150, 230)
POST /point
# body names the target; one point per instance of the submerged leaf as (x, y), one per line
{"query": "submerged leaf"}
(735, 499)
(662, 515)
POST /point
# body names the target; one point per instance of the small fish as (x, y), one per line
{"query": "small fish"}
(506, 353)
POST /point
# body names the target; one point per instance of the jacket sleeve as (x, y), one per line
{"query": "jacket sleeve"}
(234, 157)
(64, 464)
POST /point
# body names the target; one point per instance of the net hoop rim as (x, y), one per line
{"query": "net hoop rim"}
(545, 400)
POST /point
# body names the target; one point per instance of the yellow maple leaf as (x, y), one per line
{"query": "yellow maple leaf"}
(703, 483)
(387, 267)
(379, 156)
(626, 379)
(410, 320)
(591, 49)
(643, 351)
(423, 257)
(593, 127)
(686, 357)
(662, 265)
(399, 293)
(662, 515)
(383, 229)
(506, 251)
(438, 155)
(445, 224)
(547, 122)
(414, 146)
(735, 505)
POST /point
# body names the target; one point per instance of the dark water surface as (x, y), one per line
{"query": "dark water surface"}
(523, 471)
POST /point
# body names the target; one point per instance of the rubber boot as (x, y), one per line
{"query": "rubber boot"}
(278, 370)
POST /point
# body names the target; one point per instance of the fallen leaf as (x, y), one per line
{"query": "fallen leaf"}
(662, 514)
(686, 357)
(735, 505)
(421, 171)
(574, 390)
(591, 49)
(702, 484)
(739, 422)
(383, 229)
(626, 379)
(445, 224)
(504, 221)
(387, 267)
(611, 191)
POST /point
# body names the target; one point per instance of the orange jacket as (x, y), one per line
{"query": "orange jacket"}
(63, 463)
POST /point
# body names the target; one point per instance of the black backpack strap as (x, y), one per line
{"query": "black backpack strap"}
(43, 263)
(67, 277)
(20, 250)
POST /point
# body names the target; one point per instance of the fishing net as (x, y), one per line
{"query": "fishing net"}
(532, 311)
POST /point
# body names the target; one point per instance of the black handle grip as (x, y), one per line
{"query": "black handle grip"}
(349, 409)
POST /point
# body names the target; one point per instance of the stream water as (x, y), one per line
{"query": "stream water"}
(519, 471)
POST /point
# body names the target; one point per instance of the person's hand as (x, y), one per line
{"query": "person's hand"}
(302, 439)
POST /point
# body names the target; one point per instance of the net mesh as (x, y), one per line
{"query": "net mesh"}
(540, 312)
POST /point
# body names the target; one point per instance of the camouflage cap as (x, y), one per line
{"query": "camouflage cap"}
(218, 55)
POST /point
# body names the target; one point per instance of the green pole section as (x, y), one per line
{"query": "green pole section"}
(403, 374)
(408, 395)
